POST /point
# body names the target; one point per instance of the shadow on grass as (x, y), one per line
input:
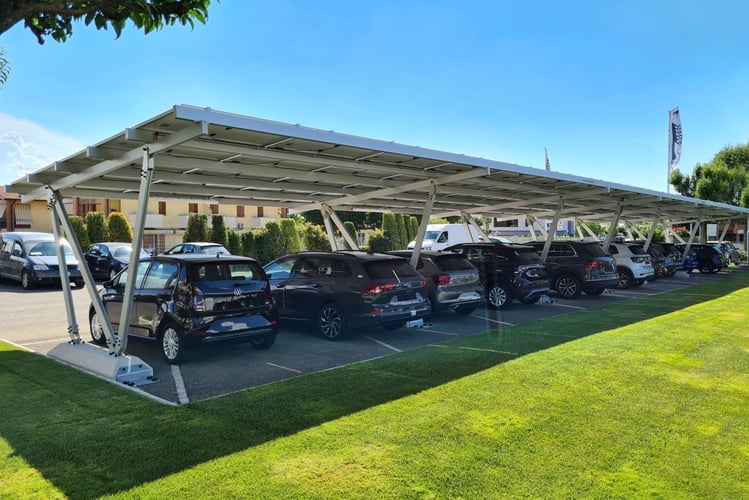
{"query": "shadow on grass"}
(89, 438)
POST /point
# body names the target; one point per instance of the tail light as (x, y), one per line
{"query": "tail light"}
(377, 289)
(268, 296)
(198, 300)
(441, 279)
(592, 264)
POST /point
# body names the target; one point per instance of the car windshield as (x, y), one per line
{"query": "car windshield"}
(431, 235)
(124, 252)
(391, 268)
(46, 249)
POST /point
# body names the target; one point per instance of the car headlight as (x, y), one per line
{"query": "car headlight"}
(40, 267)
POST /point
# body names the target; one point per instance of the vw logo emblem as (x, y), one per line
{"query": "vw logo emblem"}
(237, 292)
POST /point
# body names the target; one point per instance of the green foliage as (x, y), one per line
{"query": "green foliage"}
(119, 228)
(439, 221)
(402, 240)
(413, 228)
(378, 242)
(596, 228)
(81, 233)
(364, 220)
(389, 231)
(96, 225)
(249, 248)
(233, 243)
(293, 243)
(197, 228)
(270, 242)
(724, 179)
(315, 238)
(218, 230)
(351, 230)
(56, 19)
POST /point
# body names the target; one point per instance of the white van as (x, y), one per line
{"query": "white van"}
(439, 236)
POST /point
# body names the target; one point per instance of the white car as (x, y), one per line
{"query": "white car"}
(633, 264)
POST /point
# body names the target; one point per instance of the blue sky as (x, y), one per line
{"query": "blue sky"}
(591, 80)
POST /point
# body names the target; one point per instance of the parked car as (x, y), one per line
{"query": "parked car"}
(673, 251)
(704, 257)
(454, 282)
(185, 300)
(663, 265)
(633, 264)
(197, 247)
(507, 271)
(729, 249)
(343, 290)
(31, 258)
(108, 258)
(578, 266)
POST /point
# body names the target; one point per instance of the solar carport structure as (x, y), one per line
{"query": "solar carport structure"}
(199, 154)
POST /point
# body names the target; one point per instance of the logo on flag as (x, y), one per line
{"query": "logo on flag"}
(674, 139)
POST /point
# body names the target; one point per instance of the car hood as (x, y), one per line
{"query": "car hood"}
(51, 260)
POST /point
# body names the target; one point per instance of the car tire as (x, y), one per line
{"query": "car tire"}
(26, 282)
(330, 321)
(568, 286)
(263, 342)
(172, 344)
(79, 283)
(498, 296)
(626, 279)
(465, 310)
(97, 332)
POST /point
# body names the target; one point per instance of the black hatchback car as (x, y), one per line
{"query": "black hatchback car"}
(186, 300)
(508, 271)
(108, 258)
(342, 290)
(579, 266)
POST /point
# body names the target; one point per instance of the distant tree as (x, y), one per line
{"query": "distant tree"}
(378, 242)
(271, 242)
(248, 244)
(293, 243)
(439, 221)
(724, 179)
(96, 225)
(56, 18)
(314, 238)
(197, 228)
(233, 243)
(218, 229)
(119, 228)
(81, 233)
(402, 235)
(413, 228)
(595, 227)
(389, 231)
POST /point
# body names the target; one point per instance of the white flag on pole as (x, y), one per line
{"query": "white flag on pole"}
(548, 164)
(674, 139)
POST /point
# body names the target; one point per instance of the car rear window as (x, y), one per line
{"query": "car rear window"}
(523, 254)
(637, 249)
(218, 271)
(455, 262)
(390, 268)
(596, 250)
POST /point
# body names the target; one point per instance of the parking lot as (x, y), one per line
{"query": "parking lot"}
(36, 320)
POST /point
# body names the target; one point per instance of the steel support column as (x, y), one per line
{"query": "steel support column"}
(425, 215)
(613, 226)
(329, 215)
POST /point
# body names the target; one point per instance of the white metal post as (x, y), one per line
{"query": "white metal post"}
(431, 196)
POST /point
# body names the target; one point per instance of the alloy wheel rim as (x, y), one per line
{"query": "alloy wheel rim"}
(170, 343)
(497, 296)
(330, 322)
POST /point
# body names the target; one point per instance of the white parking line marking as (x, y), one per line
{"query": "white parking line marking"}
(56, 341)
(438, 331)
(492, 320)
(395, 349)
(568, 306)
(283, 367)
(179, 385)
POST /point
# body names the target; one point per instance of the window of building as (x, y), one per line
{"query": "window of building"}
(506, 223)
(192, 208)
(162, 208)
(22, 213)
(214, 208)
(259, 211)
(240, 210)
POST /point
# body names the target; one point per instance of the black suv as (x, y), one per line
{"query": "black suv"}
(507, 271)
(579, 266)
(185, 300)
(342, 290)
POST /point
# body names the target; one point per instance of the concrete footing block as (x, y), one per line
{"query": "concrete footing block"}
(130, 370)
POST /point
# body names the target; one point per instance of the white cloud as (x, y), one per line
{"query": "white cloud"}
(26, 146)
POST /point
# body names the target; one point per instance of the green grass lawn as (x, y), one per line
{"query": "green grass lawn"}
(643, 398)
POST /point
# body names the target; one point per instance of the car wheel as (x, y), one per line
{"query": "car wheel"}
(393, 325)
(498, 296)
(26, 282)
(568, 286)
(79, 283)
(465, 310)
(626, 280)
(706, 268)
(263, 341)
(172, 344)
(97, 332)
(331, 322)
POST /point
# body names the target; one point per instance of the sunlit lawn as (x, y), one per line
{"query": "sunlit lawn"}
(648, 397)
